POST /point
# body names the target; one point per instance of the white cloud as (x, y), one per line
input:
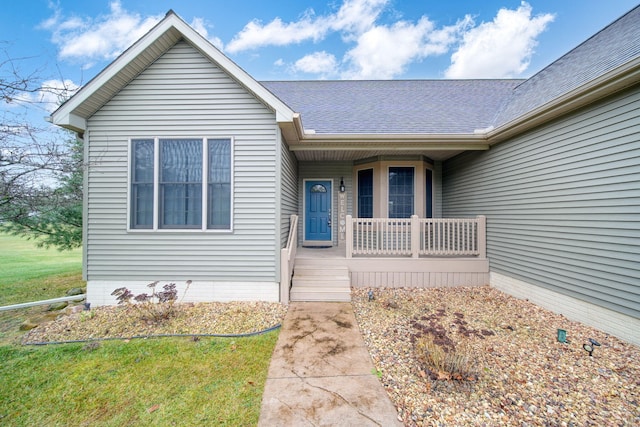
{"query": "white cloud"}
(353, 17)
(101, 38)
(200, 25)
(53, 92)
(322, 63)
(276, 33)
(385, 51)
(104, 37)
(501, 48)
(357, 16)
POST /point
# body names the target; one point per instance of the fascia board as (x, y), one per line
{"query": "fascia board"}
(62, 115)
(605, 85)
(395, 142)
(70, 121)
(283, 112)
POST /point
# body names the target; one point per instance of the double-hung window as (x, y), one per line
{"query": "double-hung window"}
(401, 192)
(181, 183)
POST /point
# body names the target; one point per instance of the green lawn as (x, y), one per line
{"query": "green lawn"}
(29, 272)
(141, 382)
(168, 381)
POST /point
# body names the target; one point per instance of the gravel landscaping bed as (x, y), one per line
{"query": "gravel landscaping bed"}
(511, 368)
(123, 321)
(516, 374)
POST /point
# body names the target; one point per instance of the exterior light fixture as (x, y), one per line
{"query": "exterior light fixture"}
(589, 347)
(371, 297)
(342, 189)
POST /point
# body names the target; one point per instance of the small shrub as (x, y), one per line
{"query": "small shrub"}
(154, 307)
(446, 362)
(87, 315)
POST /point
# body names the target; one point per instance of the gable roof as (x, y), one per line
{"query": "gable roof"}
(603, 64)
(606, 62)
(97, 92)
(412, 115)
(395, 106)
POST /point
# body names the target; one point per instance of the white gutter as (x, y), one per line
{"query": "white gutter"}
(607, 84)
(79, 297)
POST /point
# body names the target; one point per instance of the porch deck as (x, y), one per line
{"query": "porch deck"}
(386, 263)
(332, 253)
(397, 271)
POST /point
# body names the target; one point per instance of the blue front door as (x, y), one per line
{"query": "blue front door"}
(317, 211)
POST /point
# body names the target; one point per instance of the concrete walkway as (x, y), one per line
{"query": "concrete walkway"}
(321, 373)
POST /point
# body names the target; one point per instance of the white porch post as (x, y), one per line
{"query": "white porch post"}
(285, 278)
(482, 236)
(415, 237)
(349, 237)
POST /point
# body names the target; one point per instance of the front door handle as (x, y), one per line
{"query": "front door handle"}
(329, 221)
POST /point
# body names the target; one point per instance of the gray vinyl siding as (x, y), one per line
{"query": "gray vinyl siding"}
(289, 189)
(326, 170)
(437, 183)
(183, 94)
(562, 203)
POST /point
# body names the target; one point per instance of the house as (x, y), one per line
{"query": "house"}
(196, 171)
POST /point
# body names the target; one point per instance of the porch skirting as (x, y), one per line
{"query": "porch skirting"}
(609, 321)
(418, 273)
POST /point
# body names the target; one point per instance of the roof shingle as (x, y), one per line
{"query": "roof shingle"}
(394, 106)
(454, 106)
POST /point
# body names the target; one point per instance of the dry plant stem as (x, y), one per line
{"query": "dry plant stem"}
(155, 307)
(525, 377)
(190, 318)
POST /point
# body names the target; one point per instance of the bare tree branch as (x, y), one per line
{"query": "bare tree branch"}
(40, 166)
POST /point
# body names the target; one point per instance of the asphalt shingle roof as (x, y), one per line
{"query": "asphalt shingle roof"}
(454, 106)
(606, 50)
(394, 106)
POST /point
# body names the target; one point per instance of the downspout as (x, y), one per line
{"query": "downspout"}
(278, 211)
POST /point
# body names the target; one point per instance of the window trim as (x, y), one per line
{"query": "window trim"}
(380, 166)
(205, 184)
(357, 190)
(130, 193)
(415, 187)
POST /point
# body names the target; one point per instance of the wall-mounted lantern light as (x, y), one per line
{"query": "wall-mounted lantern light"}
(342, 189)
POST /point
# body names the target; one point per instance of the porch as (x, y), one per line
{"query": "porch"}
(384, 252)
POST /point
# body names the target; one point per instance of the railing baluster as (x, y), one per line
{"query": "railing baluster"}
(435, 236)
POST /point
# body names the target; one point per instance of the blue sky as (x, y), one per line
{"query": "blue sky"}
(70, 41)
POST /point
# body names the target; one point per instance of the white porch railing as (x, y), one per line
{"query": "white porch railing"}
(416, 237)
(287, 259)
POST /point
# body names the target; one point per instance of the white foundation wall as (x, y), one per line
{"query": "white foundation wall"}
(99, 291)
(609, 321)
